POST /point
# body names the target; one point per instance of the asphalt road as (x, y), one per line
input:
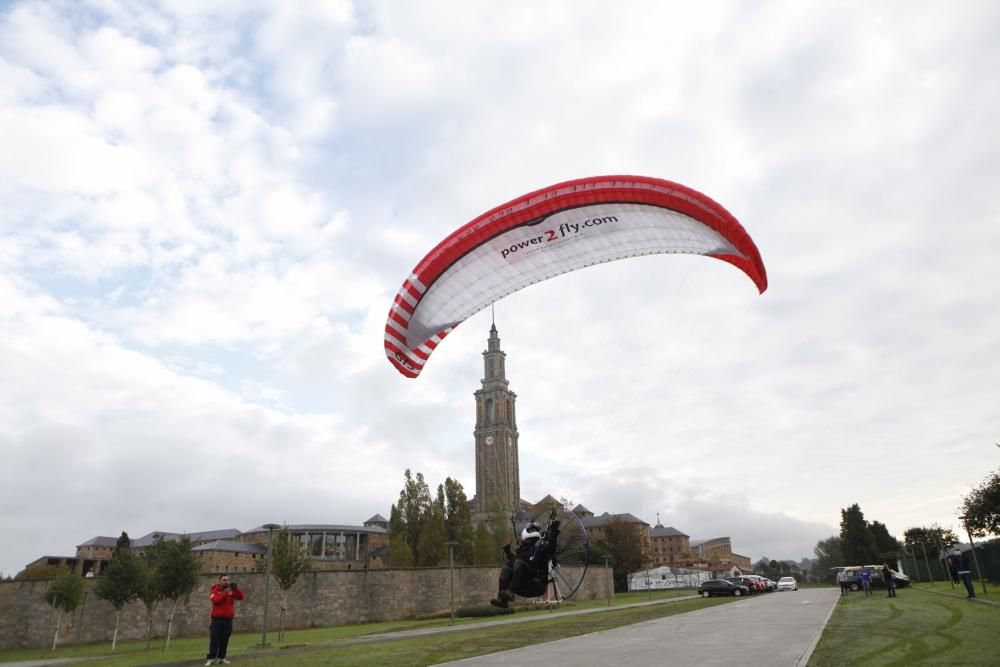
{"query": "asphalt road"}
(764, 629)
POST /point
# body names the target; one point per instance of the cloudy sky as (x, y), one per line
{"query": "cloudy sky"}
(206, 209)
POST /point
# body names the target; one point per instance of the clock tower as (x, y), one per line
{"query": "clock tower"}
(498, 479)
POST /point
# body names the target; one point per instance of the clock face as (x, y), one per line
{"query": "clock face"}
(489, 440)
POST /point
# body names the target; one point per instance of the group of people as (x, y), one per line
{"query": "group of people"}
(866, 581)
(958, 566)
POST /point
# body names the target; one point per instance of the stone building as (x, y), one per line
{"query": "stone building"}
(713, 548)
(334, 546)
(667, 544)
(597, 528)
(226, 551)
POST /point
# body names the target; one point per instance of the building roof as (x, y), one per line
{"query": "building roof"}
(100, 541)
(580, 509)
(604, 519)
(378, 518)
(233, 547)
(323, 528)
(547, 501)
(695, 543)
(205, 536)
(665, 531)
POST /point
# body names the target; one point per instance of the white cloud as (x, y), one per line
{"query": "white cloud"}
(206, 209)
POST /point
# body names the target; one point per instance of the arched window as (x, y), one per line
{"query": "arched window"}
(489, 411)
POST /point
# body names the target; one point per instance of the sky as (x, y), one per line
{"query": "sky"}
(207, 207)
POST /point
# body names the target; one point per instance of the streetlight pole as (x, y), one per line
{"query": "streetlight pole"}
(451, 572)
(611, 587)
(267, 582)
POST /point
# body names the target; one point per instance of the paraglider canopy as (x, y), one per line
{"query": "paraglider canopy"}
(546, 233)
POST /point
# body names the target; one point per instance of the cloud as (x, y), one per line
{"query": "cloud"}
(207, 209)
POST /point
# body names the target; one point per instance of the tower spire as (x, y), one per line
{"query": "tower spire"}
(498, 483)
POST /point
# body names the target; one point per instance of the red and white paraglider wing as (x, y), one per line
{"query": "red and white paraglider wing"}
(550, 232)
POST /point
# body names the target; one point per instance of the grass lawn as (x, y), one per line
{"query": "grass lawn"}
(352, 644)
(916, 628)
(992, 590)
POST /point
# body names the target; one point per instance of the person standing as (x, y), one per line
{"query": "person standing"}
(953, 568)
(866, 581)
(890, 583)
(965, 572)
(224, 594)
(842, 580)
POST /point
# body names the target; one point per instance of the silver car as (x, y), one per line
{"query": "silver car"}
(788, 584)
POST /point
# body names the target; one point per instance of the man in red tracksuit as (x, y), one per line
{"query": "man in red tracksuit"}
(223, 610)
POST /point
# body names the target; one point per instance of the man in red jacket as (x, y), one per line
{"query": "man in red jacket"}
(223, 610)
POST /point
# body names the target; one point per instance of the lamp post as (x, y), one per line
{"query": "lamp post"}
(609, 580)
(649, 587)
(451, 572)
(271, 527)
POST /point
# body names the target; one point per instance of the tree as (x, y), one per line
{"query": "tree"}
(458, 522)
(501, 528)
(932, 539)
(433, 534)
(406, 519)
(829, 555)
(149, 591)
(176, 573)
(399, 554)
(981, 508)
(621, 539)
(121, 582)
(483, 551)
(887, 546)
(288, 561)
(64, 595)
(856, 539)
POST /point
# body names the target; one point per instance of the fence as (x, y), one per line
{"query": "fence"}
(936, 569)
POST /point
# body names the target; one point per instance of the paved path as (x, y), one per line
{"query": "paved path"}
(780, 628)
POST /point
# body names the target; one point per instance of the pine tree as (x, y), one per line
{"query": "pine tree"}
(856, 539)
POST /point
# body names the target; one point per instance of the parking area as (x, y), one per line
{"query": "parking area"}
(777, 629)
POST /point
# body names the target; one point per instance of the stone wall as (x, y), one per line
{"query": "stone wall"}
(318, 599)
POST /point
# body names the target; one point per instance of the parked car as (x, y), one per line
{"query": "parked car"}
(721, 587)
(763, 583)
(788, 584)
(751, 584)
(853, 579)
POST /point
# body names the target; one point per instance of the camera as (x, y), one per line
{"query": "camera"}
(232, 585)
